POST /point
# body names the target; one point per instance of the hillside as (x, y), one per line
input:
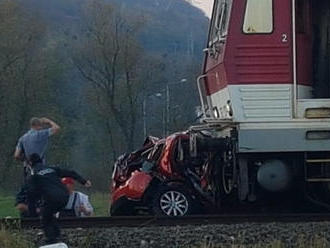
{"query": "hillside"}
(174, 26)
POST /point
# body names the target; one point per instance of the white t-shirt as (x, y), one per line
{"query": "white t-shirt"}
(81, 199)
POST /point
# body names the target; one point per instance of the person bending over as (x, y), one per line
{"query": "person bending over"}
(45, 182)
(78, 204)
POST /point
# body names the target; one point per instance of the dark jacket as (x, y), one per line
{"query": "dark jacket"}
(46, 182)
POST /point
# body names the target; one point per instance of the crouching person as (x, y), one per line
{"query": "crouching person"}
(78, 204)
(45, 182)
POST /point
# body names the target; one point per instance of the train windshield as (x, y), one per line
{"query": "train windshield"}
(258, 17)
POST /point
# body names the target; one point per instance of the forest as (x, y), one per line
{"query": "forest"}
(100, 69)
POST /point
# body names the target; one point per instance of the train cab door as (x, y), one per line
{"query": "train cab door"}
(267, 35)
(304, 60)
(320, 19)
(312, 25)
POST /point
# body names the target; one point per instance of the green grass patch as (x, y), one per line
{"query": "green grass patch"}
(10, 239)
(99, 201)
(7, 207)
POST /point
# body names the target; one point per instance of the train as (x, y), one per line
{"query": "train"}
(264, 140)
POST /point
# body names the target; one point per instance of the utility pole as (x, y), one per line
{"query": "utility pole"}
(168, 102)
(144, 117)
(167, 108)
(144, 112)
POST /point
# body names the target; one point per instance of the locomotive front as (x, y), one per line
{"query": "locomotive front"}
(266, 88)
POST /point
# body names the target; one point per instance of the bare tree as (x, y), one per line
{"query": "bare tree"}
(25, 72)
(108, 56)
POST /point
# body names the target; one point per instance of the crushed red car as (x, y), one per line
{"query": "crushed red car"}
(163, 178)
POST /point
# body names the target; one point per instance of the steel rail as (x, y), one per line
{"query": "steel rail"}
(147, 221)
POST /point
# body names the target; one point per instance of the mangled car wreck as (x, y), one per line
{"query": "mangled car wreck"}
(163, 177)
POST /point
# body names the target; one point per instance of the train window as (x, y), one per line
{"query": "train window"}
(258, 17)
(220, 21)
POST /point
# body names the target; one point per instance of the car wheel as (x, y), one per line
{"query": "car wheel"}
(172, 201)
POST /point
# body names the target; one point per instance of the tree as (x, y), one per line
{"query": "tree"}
(110, 59)
(26, 78)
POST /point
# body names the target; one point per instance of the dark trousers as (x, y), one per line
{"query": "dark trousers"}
(30, 200)
(49, 221)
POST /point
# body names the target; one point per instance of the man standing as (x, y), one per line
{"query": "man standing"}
(36, 139)
(45, 182)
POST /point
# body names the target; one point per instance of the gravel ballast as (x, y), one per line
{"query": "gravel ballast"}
(205, 236)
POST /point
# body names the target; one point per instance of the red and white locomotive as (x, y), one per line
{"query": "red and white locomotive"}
(264, 141)
(266, 85)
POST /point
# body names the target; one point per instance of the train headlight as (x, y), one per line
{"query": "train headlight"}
(229, 109)
(216, 112)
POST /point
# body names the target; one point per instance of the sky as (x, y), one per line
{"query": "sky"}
(205, 5)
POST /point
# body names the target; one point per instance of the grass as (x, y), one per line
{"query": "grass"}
(99, 201)
(7, 207)
(9, 239)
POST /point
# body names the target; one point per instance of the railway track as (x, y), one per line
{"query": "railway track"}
(147, 221)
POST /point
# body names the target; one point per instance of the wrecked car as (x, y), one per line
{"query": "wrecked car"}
(163, 178)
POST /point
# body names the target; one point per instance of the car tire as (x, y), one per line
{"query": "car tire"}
(172, 201)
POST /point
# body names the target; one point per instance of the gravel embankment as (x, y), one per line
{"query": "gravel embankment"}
(207, 236)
